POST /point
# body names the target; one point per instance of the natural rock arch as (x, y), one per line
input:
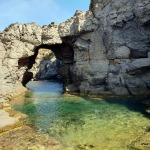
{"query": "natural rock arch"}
(64, 55)
(110, 43)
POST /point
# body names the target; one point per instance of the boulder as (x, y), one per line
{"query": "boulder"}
(122, 52)
(136, 86)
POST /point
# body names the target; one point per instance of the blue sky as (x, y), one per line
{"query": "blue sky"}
(41, 11)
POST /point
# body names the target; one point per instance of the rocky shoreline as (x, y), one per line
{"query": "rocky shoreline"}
(15, 135)
(104, 51)
(12, 118)
(25, 138)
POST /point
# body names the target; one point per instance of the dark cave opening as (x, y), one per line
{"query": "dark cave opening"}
(64, 56)
(27, 77)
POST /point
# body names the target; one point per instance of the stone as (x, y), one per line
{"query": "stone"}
(97, 81)
(84, 87)
(116, 84)
(114, 67)
(122, 52)
(138, 65)
(20, 49)
(50, 34)
(72, 88)
(2, 51)
(136, 86)
(142, 9)
(139, 53)
(82, 44)
(97, 48)
(5, 119)
(27, 138)
(80, 22)
(113, 80)
(148, 54)
(1, 106)
(143, 142)
(6, 105)
(120, 91)
(146, 78)
(96, 90)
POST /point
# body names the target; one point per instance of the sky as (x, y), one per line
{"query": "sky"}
(43, 12)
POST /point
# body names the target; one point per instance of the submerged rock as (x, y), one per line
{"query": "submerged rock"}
(143, 143)
(26, 138)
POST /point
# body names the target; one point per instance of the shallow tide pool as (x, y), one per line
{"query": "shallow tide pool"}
(82, 123)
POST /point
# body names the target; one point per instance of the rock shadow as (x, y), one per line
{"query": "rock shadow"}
(64, 56)
(135, 104)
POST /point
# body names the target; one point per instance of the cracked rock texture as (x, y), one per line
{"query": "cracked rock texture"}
(17, 44)
(45, 66)
(110, 43)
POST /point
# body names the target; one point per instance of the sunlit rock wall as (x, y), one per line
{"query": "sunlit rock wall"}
(17, 44)
(112, 47)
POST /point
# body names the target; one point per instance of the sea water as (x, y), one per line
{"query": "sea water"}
(82, 123)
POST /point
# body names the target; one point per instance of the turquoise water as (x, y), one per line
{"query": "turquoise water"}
(82, 123)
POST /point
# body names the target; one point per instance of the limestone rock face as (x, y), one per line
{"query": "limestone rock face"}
(17, 44)
(50, 34)
(45, 66)
(116, 51)
(105, 50)
(80, 22)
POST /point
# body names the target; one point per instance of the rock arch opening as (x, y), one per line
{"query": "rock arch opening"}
(48, 62)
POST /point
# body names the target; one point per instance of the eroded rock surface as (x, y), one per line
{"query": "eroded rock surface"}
(7, 120)
(26, 138)
(45, 66)
(114, 55)
(17, 45)
(105, 50)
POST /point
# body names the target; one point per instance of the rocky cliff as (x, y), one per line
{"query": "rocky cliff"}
(45, 66)
(105, 50)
